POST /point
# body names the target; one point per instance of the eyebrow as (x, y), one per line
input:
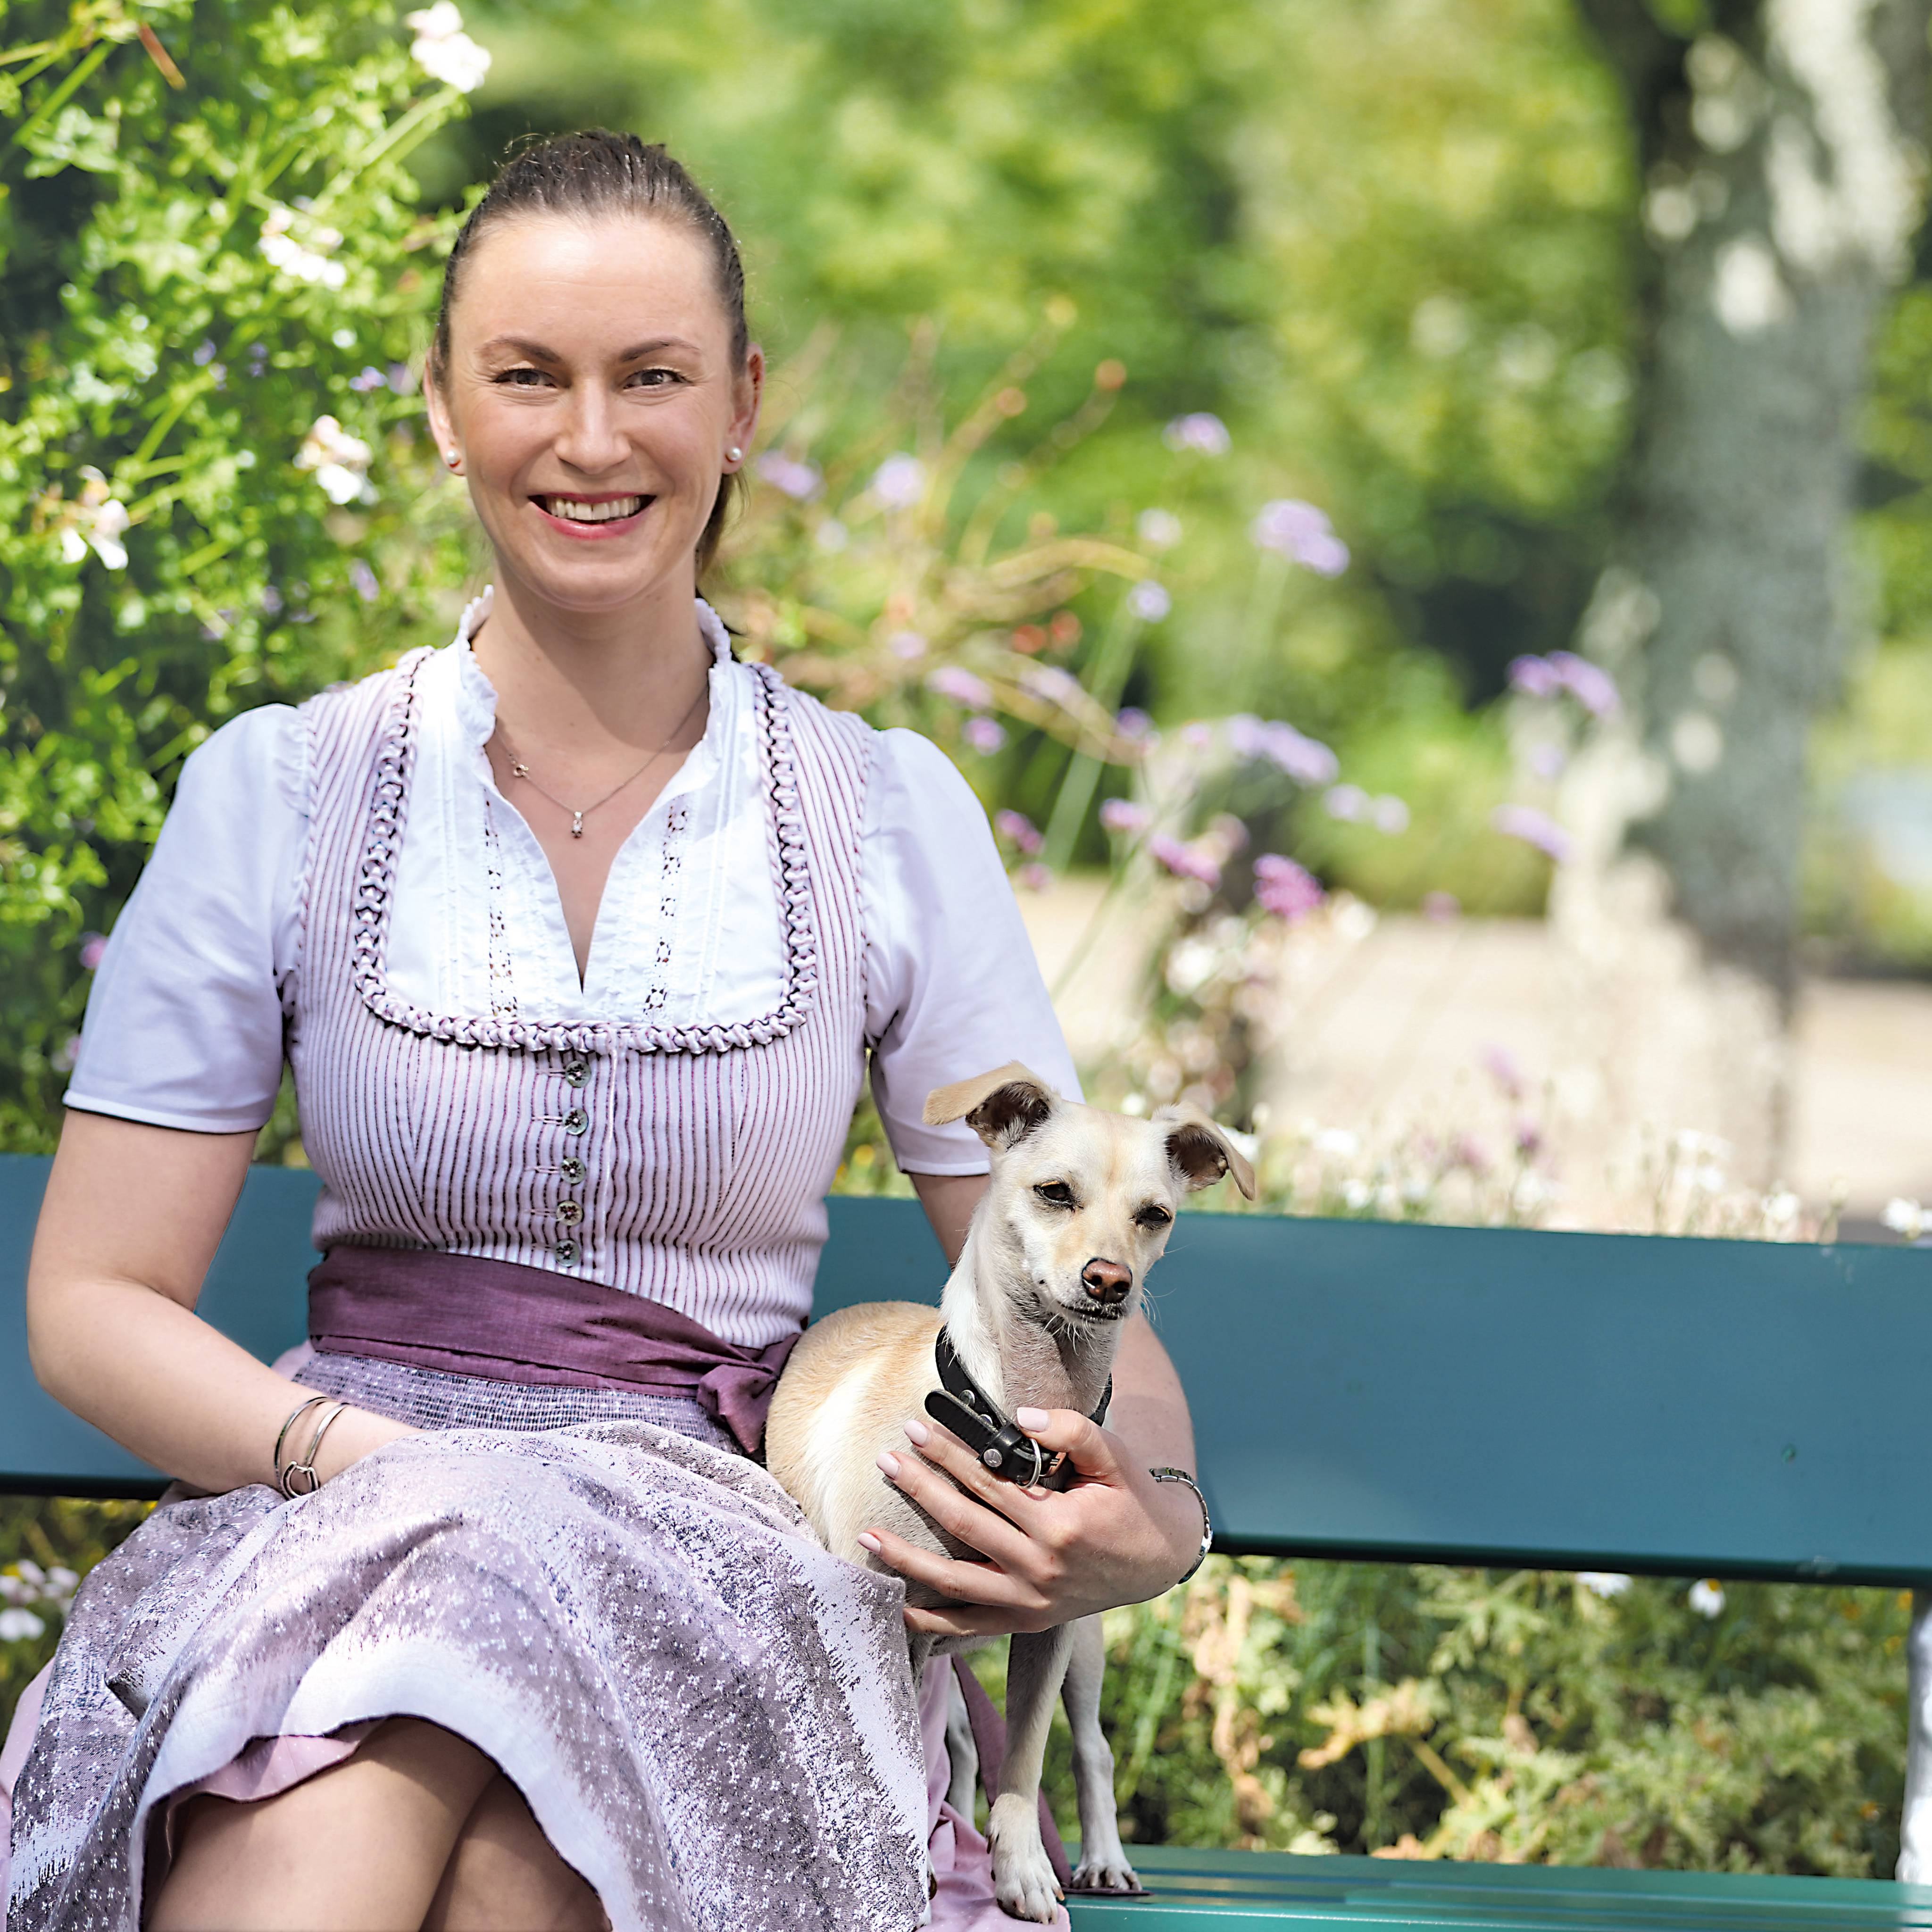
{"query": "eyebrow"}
(538, 352)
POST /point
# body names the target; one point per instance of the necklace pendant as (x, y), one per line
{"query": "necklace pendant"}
(520, 771)
(577, 825)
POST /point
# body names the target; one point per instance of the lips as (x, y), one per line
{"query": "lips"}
(592, 516)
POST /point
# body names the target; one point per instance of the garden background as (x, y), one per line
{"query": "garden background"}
(1376, 494)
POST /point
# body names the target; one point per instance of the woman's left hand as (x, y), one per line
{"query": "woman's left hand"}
(1114, 1536)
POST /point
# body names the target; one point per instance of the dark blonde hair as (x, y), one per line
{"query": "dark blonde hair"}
(597, 173)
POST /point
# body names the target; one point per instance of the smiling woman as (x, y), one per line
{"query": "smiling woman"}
(579, 938)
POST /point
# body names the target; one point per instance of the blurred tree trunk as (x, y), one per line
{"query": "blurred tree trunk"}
(1781, 183)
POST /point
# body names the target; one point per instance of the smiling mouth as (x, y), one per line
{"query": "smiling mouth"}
(585, 510)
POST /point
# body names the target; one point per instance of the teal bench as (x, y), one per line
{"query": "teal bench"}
(1405, 1394)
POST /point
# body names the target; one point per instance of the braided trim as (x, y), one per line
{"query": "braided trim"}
(376, 878)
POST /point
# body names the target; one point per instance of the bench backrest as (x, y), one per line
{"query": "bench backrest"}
(1360, 1389)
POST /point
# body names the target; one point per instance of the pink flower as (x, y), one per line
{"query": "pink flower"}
(1034, 878)
(801, 482)
(956, 682)
(985, 735)
(1200, 431)
(1290, 891)
(1441, 907)
(92, 946)
(1123, 816)
(1345, 802)
(1500, 1064)
(1533, 828)
(1305, 760)
(1018, 829)
(1184, 861)
(1590, 684)
(899, 481)
(1534, 677)
(1298, 530)
(906, 645)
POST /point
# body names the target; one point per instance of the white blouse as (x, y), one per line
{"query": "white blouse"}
(184, 1024)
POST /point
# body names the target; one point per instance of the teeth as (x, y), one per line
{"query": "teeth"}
(572, 510)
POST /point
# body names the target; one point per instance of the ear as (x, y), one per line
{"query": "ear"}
(1201, 1150)
(1001, 1107)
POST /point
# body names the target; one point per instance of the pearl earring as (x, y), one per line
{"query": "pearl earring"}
(734, 454)
(449, 456)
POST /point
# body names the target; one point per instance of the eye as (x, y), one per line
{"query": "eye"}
(1056, 1194)
(1153, 1216)
(513, 379)
(656, 378)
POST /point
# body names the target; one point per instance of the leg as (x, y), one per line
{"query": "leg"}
(1915, 1832)
(279, 1865)
(961, 1749)
(504, 1876)
(1102, 1863)
(1023, 1880)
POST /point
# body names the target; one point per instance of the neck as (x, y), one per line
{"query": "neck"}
(582, 681)
(1018, 1362)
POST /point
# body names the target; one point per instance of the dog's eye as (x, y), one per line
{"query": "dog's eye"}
(1154, 1215)
(1055, 1193)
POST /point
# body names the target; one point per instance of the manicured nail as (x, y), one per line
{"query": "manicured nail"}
(889, 1463)
(867, 1541)
(916, 1432)
(1031, 1418)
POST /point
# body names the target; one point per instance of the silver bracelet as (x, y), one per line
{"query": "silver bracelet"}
(1164, 1475)
(306, 1467)
(301, 1409)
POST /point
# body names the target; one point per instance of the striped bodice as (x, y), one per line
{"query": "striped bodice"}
(685, 1163)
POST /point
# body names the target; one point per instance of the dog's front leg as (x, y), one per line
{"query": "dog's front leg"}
(962, 1748)
(1023, 1880)
(1103, 1865)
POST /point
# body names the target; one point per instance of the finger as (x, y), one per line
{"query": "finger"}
(940, 1447)
(937, 1621)
(959, 1514)
(964, 1582)
(1095, 1452)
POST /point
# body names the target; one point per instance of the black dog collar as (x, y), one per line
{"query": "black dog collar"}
(963, 1406)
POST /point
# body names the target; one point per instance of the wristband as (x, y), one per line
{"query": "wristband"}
(306, 1467)
(301, 1409)
(1164, 1475)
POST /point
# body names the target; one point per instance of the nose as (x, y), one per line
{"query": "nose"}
(1107, 1281)
(590, 439)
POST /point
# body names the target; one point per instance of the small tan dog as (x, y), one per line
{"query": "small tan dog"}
(1079, 1207)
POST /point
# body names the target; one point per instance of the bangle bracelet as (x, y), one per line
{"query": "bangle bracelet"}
(1207, 1522)
(306, 1467)
(301, 1409)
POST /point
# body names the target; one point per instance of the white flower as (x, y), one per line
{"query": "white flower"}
(1356, 1195)
(307, 259)
(1904, 1217)
(338, 459)
(1690, 1144)
(1604, 1583)
(1390, 814)
(1338, 1141)
(12, 1590)
(1149, 602)
(1706, 1597)
(61, 1582)
(1159, 529)
(444, 51)
(15, 1625)
(96, 518)
(899, 481)
(1781, 1207)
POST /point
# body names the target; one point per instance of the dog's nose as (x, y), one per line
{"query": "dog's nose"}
(1107, 1281)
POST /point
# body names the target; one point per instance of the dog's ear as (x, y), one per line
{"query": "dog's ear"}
(1001, 1107)
(1201, 1150)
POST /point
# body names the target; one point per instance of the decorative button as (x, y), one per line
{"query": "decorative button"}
(570, 1212)
(576, 1120)
(576, 1072)
(566, 1252)
(574, 1169)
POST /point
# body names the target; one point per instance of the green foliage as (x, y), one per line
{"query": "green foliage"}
(195, 276)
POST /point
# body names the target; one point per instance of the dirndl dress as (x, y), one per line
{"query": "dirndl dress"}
(710, 1717)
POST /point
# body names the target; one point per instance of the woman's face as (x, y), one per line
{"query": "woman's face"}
(591, 396)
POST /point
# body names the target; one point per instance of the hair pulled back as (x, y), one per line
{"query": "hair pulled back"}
(595, 174)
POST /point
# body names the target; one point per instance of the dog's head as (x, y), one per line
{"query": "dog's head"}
(1081, 1201)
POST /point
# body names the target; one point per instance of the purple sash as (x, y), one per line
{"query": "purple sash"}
(470, 1316)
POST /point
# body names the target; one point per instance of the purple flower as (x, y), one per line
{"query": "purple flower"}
(1299, 530)
(1184, 861)
(1345, 802)
(1244, 734)
(1050, 682)
(204, 353)
(1469, 1153)
(956, 682)
(1019, 830)
(1289, 891)
(1034, 878)
(1534, 677)
(1197, 736)
(1500, 1065)
(1533, 828)
(271, 600)
(1547, 762)
(801, 482)
(370, 379)
(1441, 907)
(402, 381)
(1133, 723)
(1149, 602)
(899, 481)
(1305, 760)
(1199, 431)
(906, 644)
(364, 579)
(1123, 816)
(1590, 684)
(92, 946)
(258, 357)
(985, 735)
(1528, 1139)
(1391, 814)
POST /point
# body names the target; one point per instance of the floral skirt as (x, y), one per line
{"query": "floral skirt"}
(710, 1716)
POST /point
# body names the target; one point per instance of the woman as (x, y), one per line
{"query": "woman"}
(576, 934)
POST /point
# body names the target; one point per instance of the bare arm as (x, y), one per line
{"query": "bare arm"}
(132, 1218)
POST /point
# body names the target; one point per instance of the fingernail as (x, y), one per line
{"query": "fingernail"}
(867, 1541)
(889, 1463)
(1031, 1418)
(917, 1432)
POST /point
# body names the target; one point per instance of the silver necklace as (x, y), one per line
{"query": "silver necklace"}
(578, 815)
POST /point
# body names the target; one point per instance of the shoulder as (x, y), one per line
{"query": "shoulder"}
(252, 763)
(917, 788)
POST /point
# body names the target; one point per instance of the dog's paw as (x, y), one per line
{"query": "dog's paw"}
(1104, 1873)
(1023, 1879)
